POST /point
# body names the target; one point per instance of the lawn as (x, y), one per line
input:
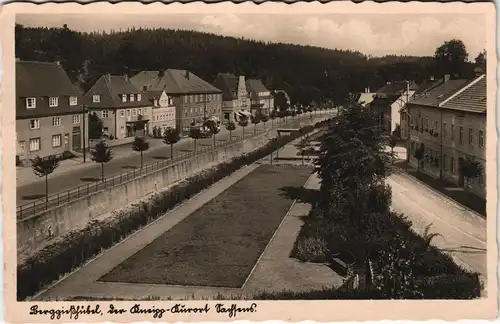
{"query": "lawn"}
(219, 244)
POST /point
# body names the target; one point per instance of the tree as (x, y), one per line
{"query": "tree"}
(452, 57)
(243, 122)
(419, 155)
(101, 153)
(195, 134)
(480, 60)
(230, 126)
(43, 167)
(255, 120)
(470, 169)
(171, 137)
(213, 127)
(140, 145)
(95, 126)
(264, 119)
(393, 141)
(273, 117)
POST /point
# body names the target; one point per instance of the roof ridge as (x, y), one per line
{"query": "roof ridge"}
(466, 86)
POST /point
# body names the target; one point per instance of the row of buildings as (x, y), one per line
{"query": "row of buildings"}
(52, 114)
(444, 117)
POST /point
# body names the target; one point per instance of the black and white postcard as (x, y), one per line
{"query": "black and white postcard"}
(217, 162)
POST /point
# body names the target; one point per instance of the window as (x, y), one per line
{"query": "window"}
(131, 98)
(56, 140)
(156, 102)
(452, 165)
(445, 130)
(128, 112)
(34, 123)
(436, 125)
(481, 139)
(122, 113)
(96, 98)
(122, 129)
(185, 99)
(53, 101)
(76, 119)
(140, 111)
(471, 136)
(461, 135)
(124, 98)
(34, 144)
(445, 160)
(134, 112)
(170, 101)
(427, 123)
(452, 132)
(30, 103)
(145, 110)
(73, 101)
(138, 97)
(105, 114)
(56, 121)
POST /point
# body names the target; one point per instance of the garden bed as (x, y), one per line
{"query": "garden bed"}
(219, 244)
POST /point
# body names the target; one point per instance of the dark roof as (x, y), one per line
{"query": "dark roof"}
(228, 83)
(427, 85)
(153, 94)
(392, 88)
(110, 88)
(436, 94)
(472, 98)
(255, 86)
(173, 82)
(44, 79)
(384, 101)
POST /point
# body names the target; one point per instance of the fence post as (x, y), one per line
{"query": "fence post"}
(68, 196)
(34, 207)
(57, 199)
(21, 211)
(88, 188)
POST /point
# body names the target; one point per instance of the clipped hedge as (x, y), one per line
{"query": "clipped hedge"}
(77, 247)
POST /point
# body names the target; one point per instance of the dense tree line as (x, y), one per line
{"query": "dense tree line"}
(307, 73)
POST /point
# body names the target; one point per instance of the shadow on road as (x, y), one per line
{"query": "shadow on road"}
(130, 167)
(160, 157)
(90, 179)
(308, 196)
(32, 197)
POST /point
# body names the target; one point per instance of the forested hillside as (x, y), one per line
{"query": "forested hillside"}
(308, 73)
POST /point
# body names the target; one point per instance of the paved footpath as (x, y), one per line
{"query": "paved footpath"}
(275, 271)
(73, 173)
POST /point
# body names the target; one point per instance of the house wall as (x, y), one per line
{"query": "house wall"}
(45, 133)
(163, 115)
(116, 119)
(191, 107)
(448, 123)
(395, 119)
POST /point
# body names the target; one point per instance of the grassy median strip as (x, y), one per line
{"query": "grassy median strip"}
(218, 244)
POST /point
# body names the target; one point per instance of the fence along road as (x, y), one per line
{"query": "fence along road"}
(71, 189)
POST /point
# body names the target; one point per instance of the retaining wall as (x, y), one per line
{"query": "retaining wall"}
(35, 231)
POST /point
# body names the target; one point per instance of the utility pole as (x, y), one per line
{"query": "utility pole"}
(84, 138)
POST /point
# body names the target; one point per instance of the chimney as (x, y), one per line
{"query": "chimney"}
(388, 82)
(478, 71)
(187, 75)
(57, 62)
(446, 77)
(432, 78)
(368, 90)
(242, 79)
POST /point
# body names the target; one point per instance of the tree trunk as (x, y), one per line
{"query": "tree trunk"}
(102, 171)
(171, 151)
(230, 135)
(46, 190)
(214, 139)
(243, 132)
(254, 128)
(195, 144)
(141, 160)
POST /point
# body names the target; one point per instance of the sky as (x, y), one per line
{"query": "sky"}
(376, 35)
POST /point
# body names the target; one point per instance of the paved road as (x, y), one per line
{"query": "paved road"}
(463, 233)
(63, 182)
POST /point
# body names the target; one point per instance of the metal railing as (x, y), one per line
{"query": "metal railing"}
(39, 205)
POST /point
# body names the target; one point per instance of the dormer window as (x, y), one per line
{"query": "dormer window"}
(124, 98)
(31, 102)
(131, 98)
(73, 101)
(144, 88)
(96, 98)
(138, 97)
(53, 101)
(156, 102)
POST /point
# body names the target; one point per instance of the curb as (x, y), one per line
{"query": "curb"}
(442, 195)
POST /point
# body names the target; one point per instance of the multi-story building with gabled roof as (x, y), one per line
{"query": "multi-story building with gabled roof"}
(49, 115)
